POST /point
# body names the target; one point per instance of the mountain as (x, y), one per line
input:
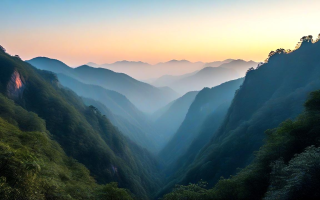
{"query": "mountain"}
(217, 63)
(144, 71)
(240, 66)
(145, 97)
(116, 102)
(274, 92)
(207, 77)
(210, 75)
(143, 136)
(83, 132)
(125, 115)
(134, 69)
(169, 79)
(207, 102)
(285, 167)
(33, 166)
(171, 117)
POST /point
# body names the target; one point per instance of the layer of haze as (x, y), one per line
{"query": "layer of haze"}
(79, 31)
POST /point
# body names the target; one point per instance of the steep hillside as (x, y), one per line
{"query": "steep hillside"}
(210, 124)
(206, 103)
(138, 135)
(82, 132)
(286, 167)
(145, 97)
(33, 166)
(116, 102)
(168, 123)
(269, 95)
(130, 120)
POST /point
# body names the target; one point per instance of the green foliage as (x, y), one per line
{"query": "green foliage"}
(33, 166)
(83, 133)
(124, 114)
(287, 166)
(299, 179)
(274, 92)
(111, 191)
(189, 192)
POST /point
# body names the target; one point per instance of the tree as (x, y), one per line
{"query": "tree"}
(112, 192)
(260, 64)
(250, 69)
(318, 38)
(189, 192)
(308, 38)
(2, 48)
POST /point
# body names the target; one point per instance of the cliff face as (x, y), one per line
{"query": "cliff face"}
(15, 86)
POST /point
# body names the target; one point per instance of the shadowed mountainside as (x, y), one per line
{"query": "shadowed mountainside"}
(82, 132)
(132, 122)
(145, 97)
(206, 103)
(169, 118)
(269, 95)
(212, 76)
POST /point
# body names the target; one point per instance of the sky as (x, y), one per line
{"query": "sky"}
(104, 31)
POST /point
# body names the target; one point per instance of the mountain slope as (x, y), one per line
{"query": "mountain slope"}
(167, 124)
(286, 167)
(83, 132)
(269, 95)
(127, 127)
(33, 166)
(206, 102)
(126, 116)
(209, 77)
(167, 80)
(116, 102)
(145, 97)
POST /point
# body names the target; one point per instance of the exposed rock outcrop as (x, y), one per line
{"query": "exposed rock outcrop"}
(16, 85)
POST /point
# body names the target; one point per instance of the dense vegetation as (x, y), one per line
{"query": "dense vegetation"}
(286, 167)
(131, 121)
(33, 166)
(57, 145)
(83, 132)
(270, 94)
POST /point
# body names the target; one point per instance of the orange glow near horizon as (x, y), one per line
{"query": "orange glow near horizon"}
(246, 32)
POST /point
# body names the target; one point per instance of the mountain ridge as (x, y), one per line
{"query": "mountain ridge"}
(134, 90)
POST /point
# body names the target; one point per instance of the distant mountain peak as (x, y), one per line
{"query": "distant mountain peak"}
(91, 63)
(176, 61)
(84, 66)
(129, 62)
